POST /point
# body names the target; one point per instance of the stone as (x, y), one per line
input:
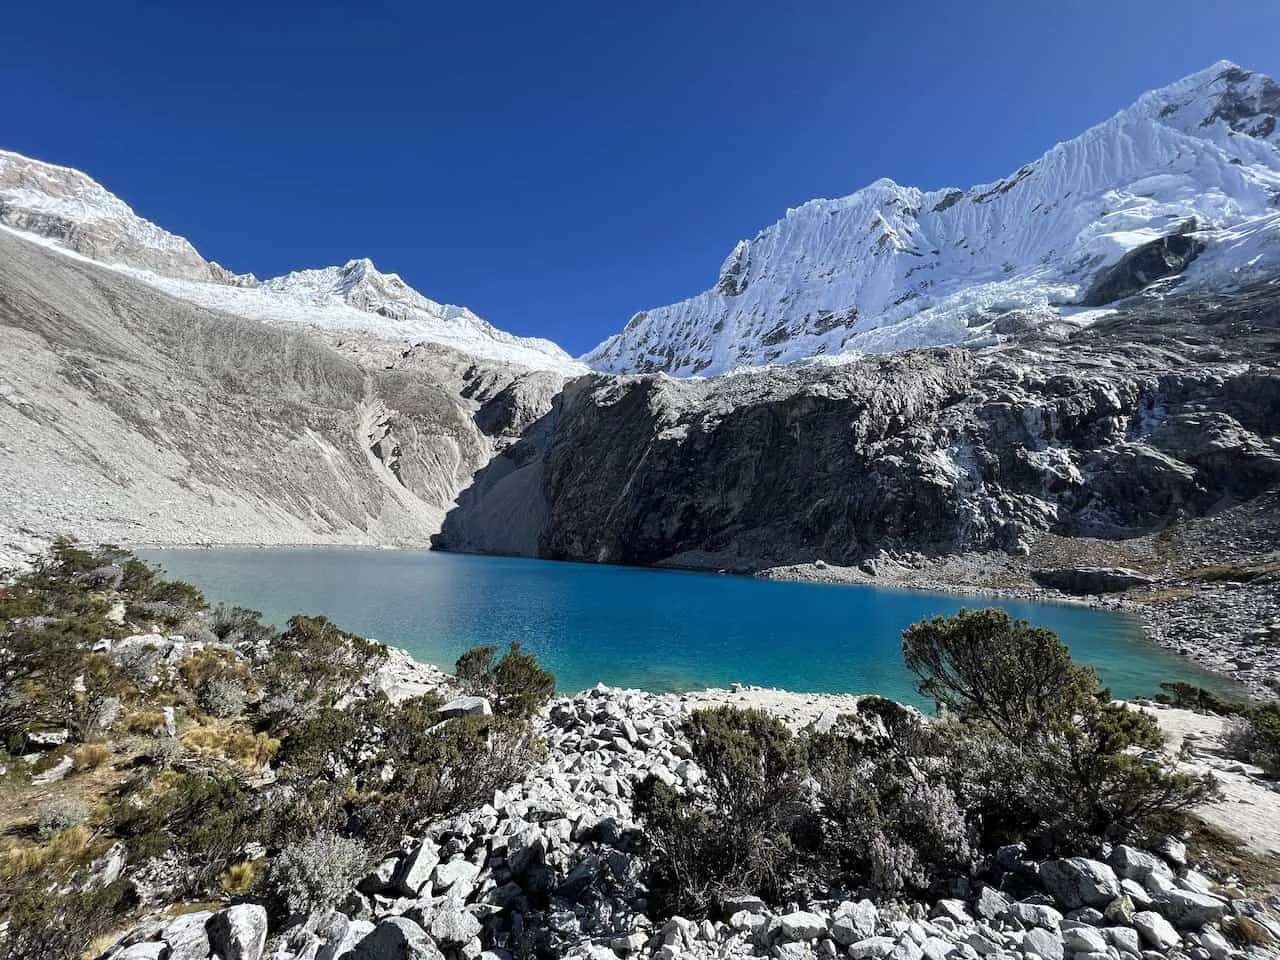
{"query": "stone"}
(742, 902)
(238, 932)
(1190, 911)
(381, 877)
(149, 950)
(457, 876)
(397, 938)
(803, 925)
(106, 869)
(990, 903)
(1155, 930)
(1173, 850)
(416, 869)
(1090, 916)
(1133, 864)
(936, 948)
(953, 909)
(1136, 892)
(1080, 882)
(1120, 911)
(1043, 943)
(55, 773)
(872, 948)
(340, 936)
(1084, 940)
(1034, 915)
(525, 850)
(188, 937)
(1124, 939)
(452, 925)
(747, 921)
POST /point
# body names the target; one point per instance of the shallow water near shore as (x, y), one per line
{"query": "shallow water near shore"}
(653, 629)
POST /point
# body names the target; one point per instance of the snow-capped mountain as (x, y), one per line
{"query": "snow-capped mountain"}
(73, 209)
(70, 211)
(1184, 183)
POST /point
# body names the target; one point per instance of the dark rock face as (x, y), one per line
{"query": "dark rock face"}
(1118, 430)
(1090, 580)
(1143, 266)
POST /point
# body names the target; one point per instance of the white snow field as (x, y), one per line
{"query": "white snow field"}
(892, 267)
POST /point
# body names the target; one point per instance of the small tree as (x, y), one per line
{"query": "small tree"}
(516, 684)
(982, 664)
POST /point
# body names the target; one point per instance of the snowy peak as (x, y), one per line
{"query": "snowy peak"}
(76, 212)
(1181, 187)
(71, 211)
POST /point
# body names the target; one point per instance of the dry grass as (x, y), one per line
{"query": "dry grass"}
(240, 878)
(233, 742)
(90, 756)
(1247, 932)
(73, 847)
(1229, 856)
(1233, 572)
(148, 722)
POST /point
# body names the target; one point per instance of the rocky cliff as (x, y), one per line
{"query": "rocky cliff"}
(1163, 412)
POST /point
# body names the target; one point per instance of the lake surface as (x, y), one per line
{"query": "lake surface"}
(654, 629)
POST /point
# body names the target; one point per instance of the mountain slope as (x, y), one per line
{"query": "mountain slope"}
(1188, 177)
(128, 415)
(72, 212)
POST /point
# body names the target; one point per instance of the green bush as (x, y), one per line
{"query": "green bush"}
(743, 834)
(514, 683)
(1097, 767)
(891, 793)
(981, 664)
(56, 815)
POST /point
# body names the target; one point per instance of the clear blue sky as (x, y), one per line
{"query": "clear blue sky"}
(559, 165)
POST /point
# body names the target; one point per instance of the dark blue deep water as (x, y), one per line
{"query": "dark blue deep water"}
(658, 630)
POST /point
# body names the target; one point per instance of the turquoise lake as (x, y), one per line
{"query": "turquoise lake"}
(654, 629)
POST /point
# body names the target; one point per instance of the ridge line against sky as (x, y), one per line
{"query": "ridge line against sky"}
(558, 169)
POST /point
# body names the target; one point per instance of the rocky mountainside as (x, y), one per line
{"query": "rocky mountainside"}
(1181, 187)
(72, 212)
(130, 415)
(1163, 412)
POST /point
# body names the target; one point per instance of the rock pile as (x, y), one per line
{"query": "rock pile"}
(554, 864)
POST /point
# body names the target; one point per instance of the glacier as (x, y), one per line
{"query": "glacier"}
(892, 267)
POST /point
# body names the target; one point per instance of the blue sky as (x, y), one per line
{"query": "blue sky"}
(559, 166)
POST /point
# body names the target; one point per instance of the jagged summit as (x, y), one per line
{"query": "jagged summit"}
(1182, 186)
(71, 211)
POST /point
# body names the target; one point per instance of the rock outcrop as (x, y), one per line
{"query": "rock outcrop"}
(1159, 414)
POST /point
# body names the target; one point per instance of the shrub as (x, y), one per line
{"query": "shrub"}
(163, 751)
(222, 697)
(889, 792)
(440, 770)
(981, 664)
(204, 819)
(54, 816)
(742, 835)
(1097, 766)
(516, 685)
(316, 873)
(314, 664)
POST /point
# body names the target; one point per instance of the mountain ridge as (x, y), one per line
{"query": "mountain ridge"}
(75, 214)
(890, 267)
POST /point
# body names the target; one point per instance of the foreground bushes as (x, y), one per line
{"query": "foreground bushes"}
(1028, 748)
(260, 765)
